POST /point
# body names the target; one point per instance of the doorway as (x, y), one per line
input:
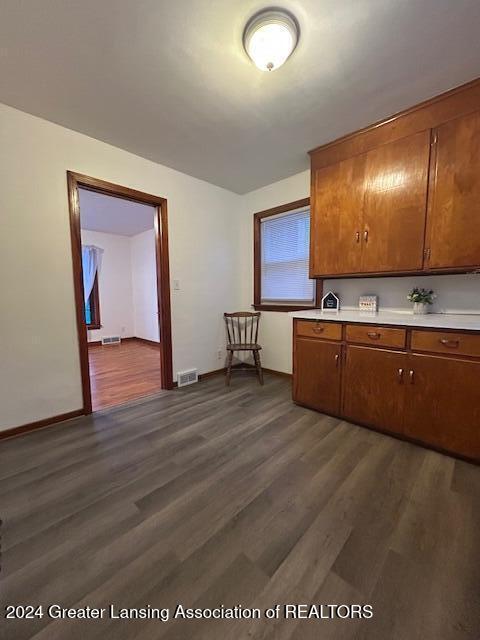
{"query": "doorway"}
(139, 358)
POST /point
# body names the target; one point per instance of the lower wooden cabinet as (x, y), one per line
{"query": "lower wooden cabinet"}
(374, 389)
(443, 403)
(430, 398)
(317, 370)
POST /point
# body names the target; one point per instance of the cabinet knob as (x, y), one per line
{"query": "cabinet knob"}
(318, 329)
(365, 235)
(400, 375)
(411, 374)
(357, 236)
(337, 359)
(453, 344)
(374, 335)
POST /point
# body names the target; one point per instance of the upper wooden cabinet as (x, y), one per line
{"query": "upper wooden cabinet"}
(336, 217)
(453, 238)
(395, 202)
(368, 212)
(402, 196)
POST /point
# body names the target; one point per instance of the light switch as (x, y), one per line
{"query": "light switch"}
(176, 285)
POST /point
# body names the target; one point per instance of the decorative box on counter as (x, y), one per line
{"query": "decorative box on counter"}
(368, 304)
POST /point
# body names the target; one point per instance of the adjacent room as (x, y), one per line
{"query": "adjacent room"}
(240, 320)
(119, 272)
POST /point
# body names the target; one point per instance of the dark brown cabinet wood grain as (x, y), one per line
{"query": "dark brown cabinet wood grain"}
(336, 217)
(317, 366)
(453, 238)
(374, 389)
(368, 212)
(410, 389)
(402, 196)
(443, 403)
(395, 203)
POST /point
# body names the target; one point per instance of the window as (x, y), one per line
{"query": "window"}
(281, 259)
(92, 308)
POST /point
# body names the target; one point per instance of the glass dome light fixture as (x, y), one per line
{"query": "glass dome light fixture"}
(270, 38)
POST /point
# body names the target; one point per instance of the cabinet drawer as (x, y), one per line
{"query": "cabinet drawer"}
(318, 329)
(376, 336)
(464, 344)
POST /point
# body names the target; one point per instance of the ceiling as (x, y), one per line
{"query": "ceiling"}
(99, 212)
(170, 81)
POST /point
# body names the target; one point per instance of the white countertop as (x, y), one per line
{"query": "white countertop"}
(433, 320)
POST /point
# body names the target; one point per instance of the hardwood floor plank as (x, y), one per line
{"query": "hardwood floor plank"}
(210, 495)
(123, 372)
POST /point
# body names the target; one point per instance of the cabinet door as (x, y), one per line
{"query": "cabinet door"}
(443, 403)
(453, 239)
(396, 181)
(374, 387)
(316, 374)
(336, 218)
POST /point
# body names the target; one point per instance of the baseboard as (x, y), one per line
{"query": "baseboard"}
(209, 374)
(247, 365)
(282, 374)
(40, 424)
(223, 371)
(97, 343)
(152, 343)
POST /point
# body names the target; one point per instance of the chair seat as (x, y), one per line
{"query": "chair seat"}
(243, 347)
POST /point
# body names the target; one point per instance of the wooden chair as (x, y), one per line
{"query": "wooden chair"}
(242, 335)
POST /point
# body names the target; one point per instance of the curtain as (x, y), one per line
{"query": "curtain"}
(91, 263)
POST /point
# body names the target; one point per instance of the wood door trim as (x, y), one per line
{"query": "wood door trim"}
(40, 424)
(75, 180)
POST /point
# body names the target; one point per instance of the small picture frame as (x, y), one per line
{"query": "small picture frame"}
(368, 304)
(330, 302)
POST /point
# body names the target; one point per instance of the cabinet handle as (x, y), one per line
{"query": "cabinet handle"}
(318, 329)
(453, 344)
(400, 375)
(357, 236)
(411, 373)
(337, 359)
(365, 235)
(374, 335)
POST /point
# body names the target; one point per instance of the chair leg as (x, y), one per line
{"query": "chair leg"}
(229, 368)
(258, 365)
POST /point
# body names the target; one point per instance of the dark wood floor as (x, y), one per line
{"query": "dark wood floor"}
(124, 372)
(208, 496)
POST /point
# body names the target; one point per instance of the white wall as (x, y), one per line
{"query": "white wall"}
(40, 369)
(275, 326)
(114, 284)
(210, 233)
(457, 293)
(144, 286)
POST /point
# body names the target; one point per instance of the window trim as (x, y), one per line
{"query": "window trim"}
(257, 276)
(94, 307)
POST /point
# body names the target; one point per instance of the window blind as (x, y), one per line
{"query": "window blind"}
(284, 258)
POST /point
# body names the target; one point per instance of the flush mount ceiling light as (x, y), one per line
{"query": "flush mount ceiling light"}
(270, 37)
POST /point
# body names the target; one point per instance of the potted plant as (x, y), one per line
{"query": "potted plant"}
(421, 298)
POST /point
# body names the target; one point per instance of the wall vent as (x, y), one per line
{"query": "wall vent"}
(187, 377)
(111, 340)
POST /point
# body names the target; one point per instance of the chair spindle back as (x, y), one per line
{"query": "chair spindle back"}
(242, 327)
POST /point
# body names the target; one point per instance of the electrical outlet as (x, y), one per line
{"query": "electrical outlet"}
(220, 354)
(176, 285)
